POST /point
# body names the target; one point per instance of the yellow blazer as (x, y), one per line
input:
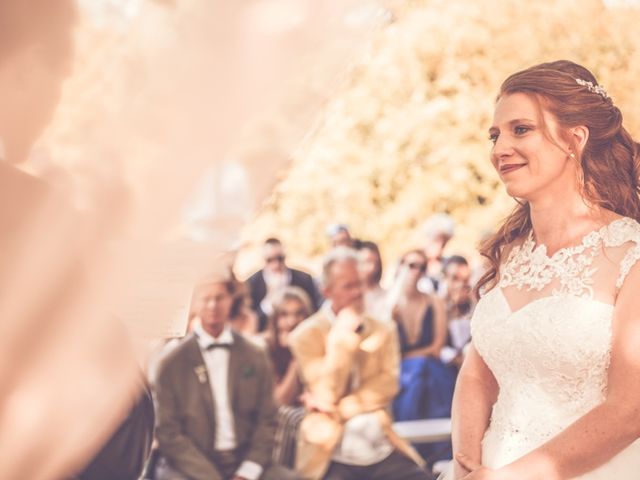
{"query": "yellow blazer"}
(327, 359)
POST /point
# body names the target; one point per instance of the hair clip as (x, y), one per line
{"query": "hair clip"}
(599, 89)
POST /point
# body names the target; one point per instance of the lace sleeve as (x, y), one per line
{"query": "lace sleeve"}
(629, 260)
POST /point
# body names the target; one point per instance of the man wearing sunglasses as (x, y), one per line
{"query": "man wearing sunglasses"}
(273, 277)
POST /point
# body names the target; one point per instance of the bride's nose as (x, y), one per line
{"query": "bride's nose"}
(501, 149)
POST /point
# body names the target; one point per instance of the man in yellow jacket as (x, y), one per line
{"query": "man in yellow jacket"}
(349, 364)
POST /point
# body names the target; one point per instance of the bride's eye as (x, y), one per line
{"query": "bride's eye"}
(493, 138)
(521, 129)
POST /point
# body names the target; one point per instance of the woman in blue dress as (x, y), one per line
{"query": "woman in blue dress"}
(426, 383)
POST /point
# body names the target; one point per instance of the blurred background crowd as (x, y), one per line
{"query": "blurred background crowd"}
(427, 300)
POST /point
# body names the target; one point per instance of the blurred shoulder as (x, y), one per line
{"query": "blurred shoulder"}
(177, 355)
(249, 346)
(255, 277)
(301, 275)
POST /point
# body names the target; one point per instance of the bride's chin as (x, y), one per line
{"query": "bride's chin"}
(518, 193)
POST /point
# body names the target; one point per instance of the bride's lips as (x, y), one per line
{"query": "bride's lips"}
(511, 167)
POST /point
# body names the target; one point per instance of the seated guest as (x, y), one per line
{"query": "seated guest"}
(214, 399)
(459, 303)
(290, 308)
(349, 365)
(370, 266)
(426, 384)
(265, 284)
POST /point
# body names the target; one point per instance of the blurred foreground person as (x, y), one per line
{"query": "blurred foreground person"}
(349, 364)
(68, 378)
(216, 418)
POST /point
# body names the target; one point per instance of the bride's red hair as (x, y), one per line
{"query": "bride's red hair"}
(609, 162)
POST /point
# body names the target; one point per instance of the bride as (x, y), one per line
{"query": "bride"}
(551, 387)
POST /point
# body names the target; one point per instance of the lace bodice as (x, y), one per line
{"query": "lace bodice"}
(528, 265)
(545, 333)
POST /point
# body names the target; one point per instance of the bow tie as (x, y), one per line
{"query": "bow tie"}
(213, 346)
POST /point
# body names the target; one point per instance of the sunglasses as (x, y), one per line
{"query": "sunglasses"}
(275, 259)
(417, 266)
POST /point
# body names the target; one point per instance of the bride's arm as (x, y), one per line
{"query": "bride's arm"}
(476, 392)
(607, 429)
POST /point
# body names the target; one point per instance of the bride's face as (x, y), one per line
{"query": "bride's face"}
(528, 154)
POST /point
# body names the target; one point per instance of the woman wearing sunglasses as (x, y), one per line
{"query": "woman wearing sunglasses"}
(426, 384)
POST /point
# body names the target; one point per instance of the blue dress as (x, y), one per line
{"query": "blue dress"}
(426, 386)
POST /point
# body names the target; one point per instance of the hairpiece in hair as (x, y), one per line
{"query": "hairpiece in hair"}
(599, 89)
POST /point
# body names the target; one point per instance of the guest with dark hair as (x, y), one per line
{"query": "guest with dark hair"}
(265, 284)
(291, 307)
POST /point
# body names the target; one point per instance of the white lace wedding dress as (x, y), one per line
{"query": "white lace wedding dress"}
(545, 333)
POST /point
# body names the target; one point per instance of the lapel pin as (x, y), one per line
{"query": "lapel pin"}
(201, 372)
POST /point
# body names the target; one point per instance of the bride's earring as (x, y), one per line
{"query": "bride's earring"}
(580, 169)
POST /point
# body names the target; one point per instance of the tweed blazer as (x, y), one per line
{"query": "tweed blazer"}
(186, 422)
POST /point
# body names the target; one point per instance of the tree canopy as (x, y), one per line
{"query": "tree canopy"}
(406, 134)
